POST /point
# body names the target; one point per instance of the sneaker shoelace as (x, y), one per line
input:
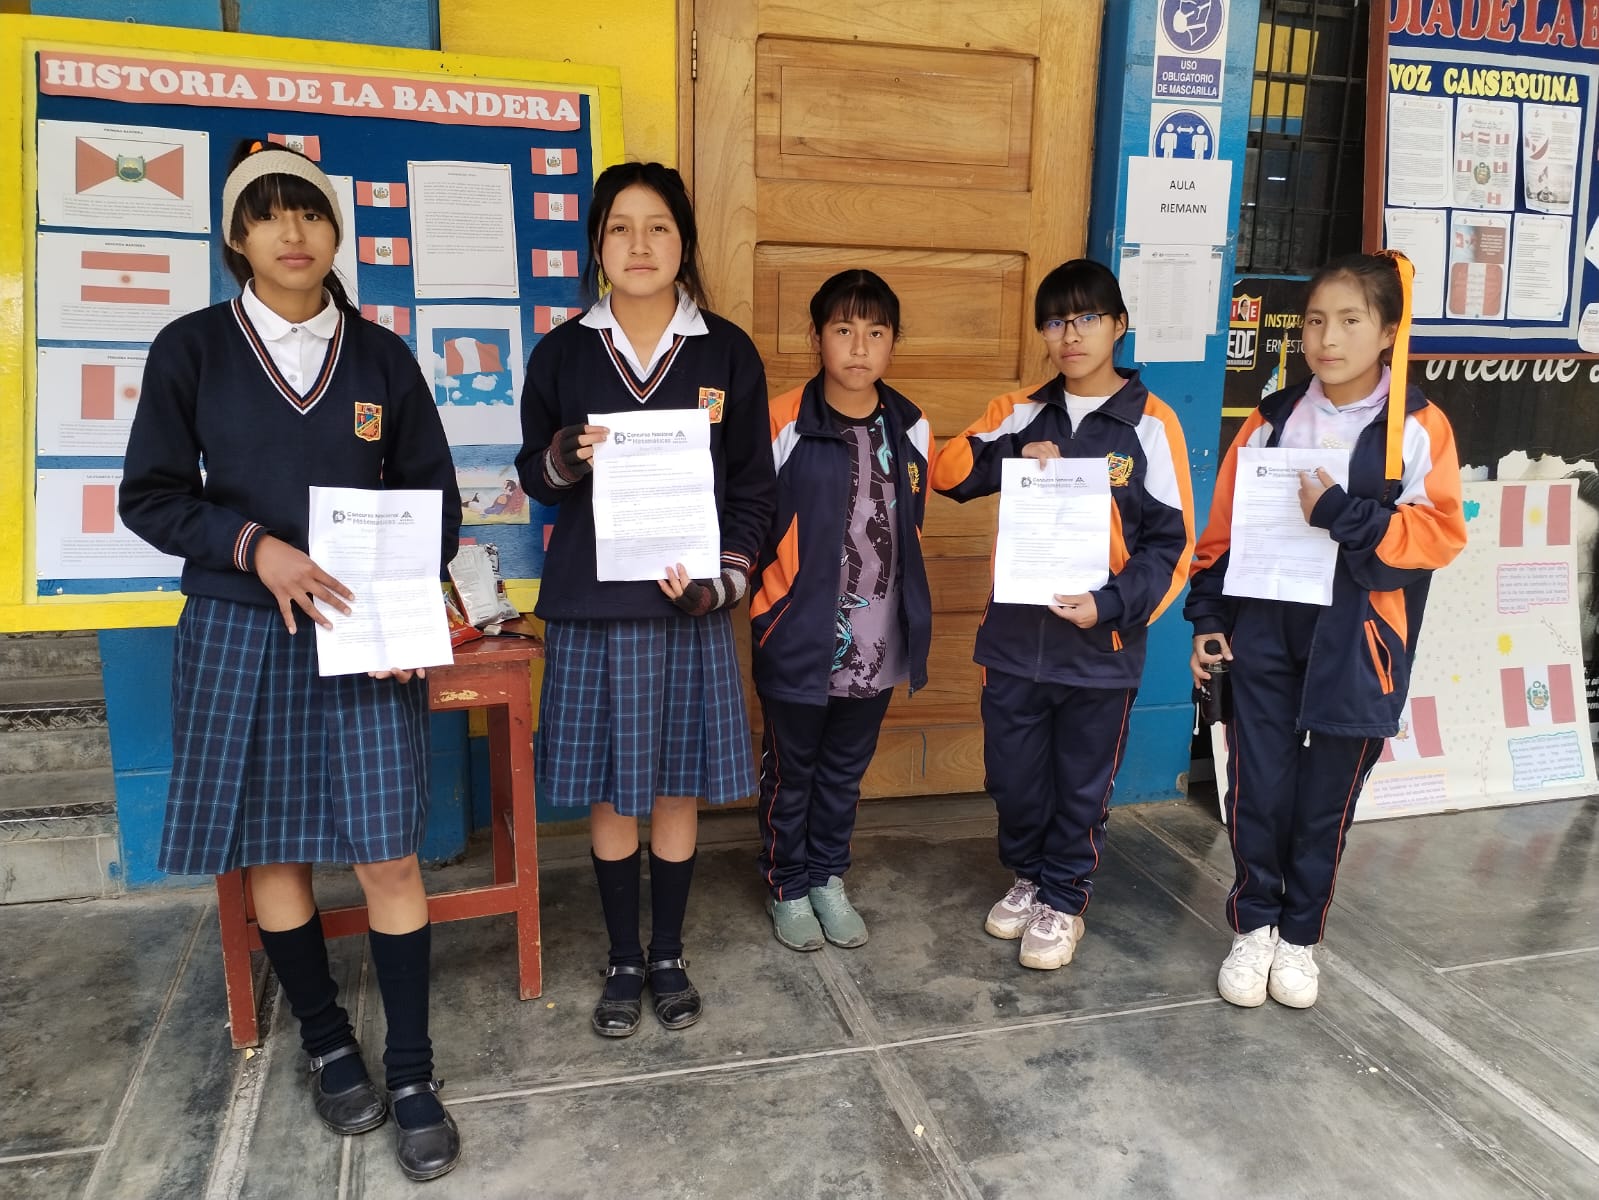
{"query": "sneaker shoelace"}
(1296, 958)
(1253, 952)
(1021, 895)
(1046, 922)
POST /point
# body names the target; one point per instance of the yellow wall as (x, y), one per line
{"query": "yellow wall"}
(638, 37)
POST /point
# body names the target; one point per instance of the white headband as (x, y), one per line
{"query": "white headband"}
(275, 162)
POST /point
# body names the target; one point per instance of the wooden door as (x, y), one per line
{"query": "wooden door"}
(946, 145)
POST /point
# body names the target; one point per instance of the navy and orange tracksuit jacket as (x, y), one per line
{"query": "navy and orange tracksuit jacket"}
(794, 605)
(1358, 672)
(1151, 528)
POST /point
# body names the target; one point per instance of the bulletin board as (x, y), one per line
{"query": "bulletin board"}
(1480, 165)
(465, 185)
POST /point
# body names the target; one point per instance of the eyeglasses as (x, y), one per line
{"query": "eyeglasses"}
(1085, 323)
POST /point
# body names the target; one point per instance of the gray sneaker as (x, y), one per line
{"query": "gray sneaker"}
(794, 923)
(1050, 939)
(841, 924)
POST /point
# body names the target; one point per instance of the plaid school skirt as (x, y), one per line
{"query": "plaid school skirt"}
(635, 709)
(272, 763)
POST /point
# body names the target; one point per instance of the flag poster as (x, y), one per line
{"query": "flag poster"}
(87, 399)
(80, 535)
(118, 289)
(124, 177)
(472, 355)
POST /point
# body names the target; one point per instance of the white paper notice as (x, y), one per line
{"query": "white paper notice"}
(95, 288)
(1550, 139)
(1423, 235)
(1276, 554)
(1130, 277)
(79, 535)
(1419, 162)
(124, 177)
(463, 230)
(1588, 329)
(1591, 250)
(1178, 201)
(1485, 154)
(346, 261)
(87, 399)
(655, 495)
(1173, 321)
(1054, 529)
(1479, 265)
(384, 547)
(471, 354)
(1540, 267)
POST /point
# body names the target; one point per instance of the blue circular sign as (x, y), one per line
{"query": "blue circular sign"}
(1182, 134)
(1192, 25)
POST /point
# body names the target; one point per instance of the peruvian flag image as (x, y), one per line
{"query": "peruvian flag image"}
(391, 316)
(99, 508)
(385, 252)
(132, 168)
(546, 318)
(555, 206)
(1536, 514)
(110, 392)
(309, 145)
(1418, 735)
(468, 356)
(555, 264)
(555, 162)
(112, 277)
(380, 195)
(1538, 695)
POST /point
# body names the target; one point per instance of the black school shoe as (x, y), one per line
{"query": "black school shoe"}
(354, 1110)
(432, 1150)
(675, 1010)
(618, 1018)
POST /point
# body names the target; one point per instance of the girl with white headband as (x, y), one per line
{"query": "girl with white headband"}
(274, 767)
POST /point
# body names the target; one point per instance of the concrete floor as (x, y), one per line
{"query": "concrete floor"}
(1455, 1051)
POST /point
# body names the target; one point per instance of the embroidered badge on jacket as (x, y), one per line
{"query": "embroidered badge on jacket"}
(368, 421)
(915, 475)
(1121, 469)
(713, 400)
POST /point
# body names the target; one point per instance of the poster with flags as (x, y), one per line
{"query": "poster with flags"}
(124, 177)
(472, 355)
(395, 317)
(97, 288)
(87, 399)
(1535, 514)
(78, 534)
(555, 162)
(555, 264)
(1538, 695)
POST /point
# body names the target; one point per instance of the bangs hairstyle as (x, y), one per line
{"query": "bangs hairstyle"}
(668, 185)
(1377, 277)
(1079, 286)
(855, 296)
(284, 193)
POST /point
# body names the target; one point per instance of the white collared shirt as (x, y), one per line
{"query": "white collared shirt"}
(686, 321)
(297, 350)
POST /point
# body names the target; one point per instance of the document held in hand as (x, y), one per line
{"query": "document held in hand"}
(1054, 529)
(655, 495)
(384, 547)
(1276, 554)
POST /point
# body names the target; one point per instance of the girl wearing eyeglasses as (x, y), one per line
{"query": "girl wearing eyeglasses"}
(1059, 681)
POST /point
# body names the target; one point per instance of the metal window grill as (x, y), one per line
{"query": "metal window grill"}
(1304, 162)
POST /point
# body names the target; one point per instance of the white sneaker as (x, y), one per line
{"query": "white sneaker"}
(1242, 979)
(1009, 917)
(1293, 975)
(1050, 939)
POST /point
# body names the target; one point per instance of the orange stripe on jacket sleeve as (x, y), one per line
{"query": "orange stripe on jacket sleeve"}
(1427, 537)
(777, 580)
(954, 463)
(1178, 445)
(1218, 533)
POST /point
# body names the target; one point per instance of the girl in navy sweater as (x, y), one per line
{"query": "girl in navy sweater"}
(274, 767)
(841, 614)
(642, 709)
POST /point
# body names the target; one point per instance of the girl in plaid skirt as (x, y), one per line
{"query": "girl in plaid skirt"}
(274, 767)
(642, 709)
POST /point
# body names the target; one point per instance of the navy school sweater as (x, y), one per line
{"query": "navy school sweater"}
(212, 398)
(573, 372)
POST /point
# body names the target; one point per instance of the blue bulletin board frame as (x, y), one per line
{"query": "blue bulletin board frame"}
(369, 146)
(1515, 52)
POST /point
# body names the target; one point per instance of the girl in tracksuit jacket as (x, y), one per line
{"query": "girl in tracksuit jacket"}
(841, 613)
(1059, 682)
(1315, 690)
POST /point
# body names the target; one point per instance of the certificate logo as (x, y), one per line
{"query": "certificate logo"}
(713, 401)
(1121, 469)
(368, 421)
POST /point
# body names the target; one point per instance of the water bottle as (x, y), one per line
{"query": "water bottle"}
(1211, 694)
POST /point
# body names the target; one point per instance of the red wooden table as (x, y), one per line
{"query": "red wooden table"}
(491, 674)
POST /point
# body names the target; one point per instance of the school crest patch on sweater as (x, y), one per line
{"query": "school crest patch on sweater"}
(368, 421)
(1121, 469)
(713, 400)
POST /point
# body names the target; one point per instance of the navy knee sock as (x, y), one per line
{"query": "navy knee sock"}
(619, 894)
(669, 888)
(400, 961)
(299, 958)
